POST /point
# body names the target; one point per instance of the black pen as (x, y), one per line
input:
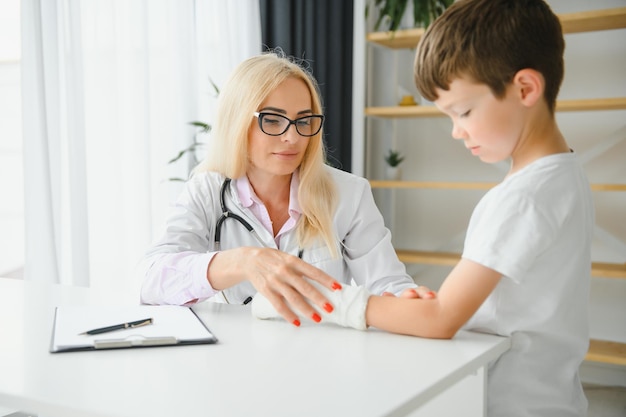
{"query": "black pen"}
(129, 325)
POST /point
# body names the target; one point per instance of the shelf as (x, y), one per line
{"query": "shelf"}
(454, 185)
(404, 111)
(608, 270)
(594, 20)
(429, 258)
(400, 39)
(598, 269)
(606, 352)
(588, 21)
(592, 104)
(433, 185)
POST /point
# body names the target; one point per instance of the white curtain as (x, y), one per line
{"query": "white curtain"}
(109, 88)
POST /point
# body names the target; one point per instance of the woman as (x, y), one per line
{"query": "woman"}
(306, 218)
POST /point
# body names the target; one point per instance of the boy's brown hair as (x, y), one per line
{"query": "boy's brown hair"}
(490, 41)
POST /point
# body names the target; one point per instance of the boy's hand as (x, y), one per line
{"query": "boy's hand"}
(419, 292)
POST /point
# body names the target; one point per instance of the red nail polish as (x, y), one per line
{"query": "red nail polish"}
(336, 286)
(316, 317)
(328, 307)
(296, 323)
(431, 293)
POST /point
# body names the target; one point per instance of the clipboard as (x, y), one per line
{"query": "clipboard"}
(171, 326)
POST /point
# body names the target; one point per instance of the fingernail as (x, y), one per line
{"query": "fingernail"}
(431, 294)
(328, 307)
(336, 286)
(316, 317)
(296, 323)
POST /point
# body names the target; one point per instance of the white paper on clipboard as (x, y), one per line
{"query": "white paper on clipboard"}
(172, 325)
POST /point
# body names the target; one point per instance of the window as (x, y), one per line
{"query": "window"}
(11, 159)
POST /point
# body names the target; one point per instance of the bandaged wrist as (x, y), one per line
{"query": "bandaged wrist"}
(349, 305)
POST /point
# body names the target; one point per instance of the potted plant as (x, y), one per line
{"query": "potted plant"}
(392, 11)
(393, 158)
(190, 151)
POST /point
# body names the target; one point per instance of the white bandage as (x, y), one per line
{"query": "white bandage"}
(349, 306)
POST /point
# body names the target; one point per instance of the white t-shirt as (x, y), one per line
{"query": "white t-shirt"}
(536, 229)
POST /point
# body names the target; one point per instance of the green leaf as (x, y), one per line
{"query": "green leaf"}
(424, 11)
(205, 127)
(393, 158)
(180, 154)
(216, 89)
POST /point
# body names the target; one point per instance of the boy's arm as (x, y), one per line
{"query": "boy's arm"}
(460, 295)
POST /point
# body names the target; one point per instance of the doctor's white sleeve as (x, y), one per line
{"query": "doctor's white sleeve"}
(176, 278)
(174, 270)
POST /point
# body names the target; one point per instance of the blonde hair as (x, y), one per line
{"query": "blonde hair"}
(247, 87)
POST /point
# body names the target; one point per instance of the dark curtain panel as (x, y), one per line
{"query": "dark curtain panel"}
(319, 32)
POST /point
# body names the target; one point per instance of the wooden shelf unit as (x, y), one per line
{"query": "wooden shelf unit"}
(596, 20)
(589, 21)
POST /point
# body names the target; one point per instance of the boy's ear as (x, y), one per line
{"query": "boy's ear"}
(530, 85)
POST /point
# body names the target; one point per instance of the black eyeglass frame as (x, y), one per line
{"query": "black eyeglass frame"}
(261, 115)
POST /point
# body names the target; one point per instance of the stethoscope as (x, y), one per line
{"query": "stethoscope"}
(227, 214)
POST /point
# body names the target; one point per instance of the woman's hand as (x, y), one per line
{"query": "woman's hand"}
(350, 305)
(277, 275)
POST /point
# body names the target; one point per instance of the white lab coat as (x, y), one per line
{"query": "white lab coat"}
(174, 269)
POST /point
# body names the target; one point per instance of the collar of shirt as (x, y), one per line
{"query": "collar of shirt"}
(249, 200)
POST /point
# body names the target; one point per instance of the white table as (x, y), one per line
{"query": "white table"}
(258, 368)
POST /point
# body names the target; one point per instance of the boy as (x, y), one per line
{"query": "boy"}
(495, 68)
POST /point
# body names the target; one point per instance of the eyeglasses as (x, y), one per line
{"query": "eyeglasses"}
(275, 124)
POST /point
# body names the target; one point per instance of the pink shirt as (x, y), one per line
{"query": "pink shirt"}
(249, 200)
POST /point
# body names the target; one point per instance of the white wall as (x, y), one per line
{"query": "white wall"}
(436, 219)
